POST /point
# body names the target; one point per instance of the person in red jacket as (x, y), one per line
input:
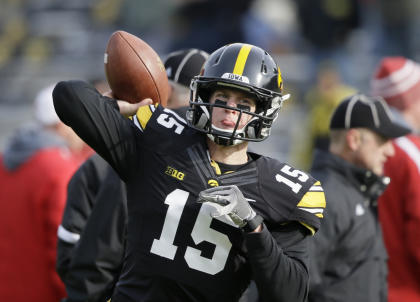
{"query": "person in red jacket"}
(35, 168)
(397, 80)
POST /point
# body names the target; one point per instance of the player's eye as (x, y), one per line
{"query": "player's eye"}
(220, 102)
(244, 107)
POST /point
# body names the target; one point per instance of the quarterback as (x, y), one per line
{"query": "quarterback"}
(205, 216)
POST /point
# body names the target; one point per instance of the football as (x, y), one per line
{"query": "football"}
(134, 71)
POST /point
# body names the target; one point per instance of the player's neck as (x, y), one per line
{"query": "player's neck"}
(231, 155)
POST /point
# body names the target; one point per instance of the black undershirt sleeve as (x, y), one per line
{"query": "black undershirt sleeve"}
(278, 260)
(96, 119)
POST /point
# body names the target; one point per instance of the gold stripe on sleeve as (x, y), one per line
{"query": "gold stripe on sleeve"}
(313, 200)
(143, 115)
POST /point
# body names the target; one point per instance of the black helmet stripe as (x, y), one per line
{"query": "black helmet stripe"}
(241, 59)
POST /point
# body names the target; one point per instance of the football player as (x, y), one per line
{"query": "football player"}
(205, 216)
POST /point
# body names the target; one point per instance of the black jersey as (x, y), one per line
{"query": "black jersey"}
(176, 251)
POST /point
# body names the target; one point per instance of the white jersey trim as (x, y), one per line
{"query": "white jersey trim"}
(136, 122)
(312, 210)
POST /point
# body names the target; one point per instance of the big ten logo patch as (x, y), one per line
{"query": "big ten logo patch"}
(174, 173)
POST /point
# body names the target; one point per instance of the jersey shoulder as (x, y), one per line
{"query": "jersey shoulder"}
(161, 125)
(292, 192)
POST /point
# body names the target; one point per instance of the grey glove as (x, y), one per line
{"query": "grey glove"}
(234, 204)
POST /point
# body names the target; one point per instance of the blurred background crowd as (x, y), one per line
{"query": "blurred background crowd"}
(327, 49)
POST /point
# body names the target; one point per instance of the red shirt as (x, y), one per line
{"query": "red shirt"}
(399, 213)
(32, 200)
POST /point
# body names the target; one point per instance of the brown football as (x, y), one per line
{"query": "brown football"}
(134, 71)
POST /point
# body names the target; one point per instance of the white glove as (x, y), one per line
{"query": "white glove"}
(234, 204)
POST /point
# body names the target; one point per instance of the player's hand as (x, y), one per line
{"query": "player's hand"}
(126, 108)
(129, 109)
(233, 204)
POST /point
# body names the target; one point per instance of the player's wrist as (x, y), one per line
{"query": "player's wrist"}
(254, 224)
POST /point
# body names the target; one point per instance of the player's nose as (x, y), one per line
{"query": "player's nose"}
(231, 102)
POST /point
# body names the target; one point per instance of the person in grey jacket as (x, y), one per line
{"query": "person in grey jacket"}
(348, 257)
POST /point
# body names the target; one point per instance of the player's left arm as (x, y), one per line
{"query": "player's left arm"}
(277, 249)
(279, 253)
(279, 262)
(278, 257)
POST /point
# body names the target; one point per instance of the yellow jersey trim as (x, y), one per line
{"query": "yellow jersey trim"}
(311, 229)
(144, 114)
(216, 167)
(313, 200)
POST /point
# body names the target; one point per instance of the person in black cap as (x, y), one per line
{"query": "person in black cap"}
(181, 66)
(348, 260)
(91, 237)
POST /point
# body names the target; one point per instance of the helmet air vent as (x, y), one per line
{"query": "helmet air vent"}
(263, 68)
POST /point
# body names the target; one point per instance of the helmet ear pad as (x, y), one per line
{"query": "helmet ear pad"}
(253, 128)
(260, 128)
(202, 117)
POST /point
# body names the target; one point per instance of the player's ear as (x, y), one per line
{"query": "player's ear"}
(353, 139)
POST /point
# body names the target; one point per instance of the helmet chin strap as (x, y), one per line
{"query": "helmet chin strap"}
(224, 141)
(224, 137)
